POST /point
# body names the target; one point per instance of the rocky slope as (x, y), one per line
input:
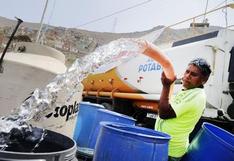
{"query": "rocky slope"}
(75, 43)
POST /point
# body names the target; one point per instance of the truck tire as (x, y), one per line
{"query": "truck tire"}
(108, 106)
(230, 110)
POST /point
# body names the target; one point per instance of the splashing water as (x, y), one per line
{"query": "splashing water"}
(102, 59)
(43, 135)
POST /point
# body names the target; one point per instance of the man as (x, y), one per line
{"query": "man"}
(179, 115)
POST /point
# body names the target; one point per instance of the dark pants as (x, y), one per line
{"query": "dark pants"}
(174, 158)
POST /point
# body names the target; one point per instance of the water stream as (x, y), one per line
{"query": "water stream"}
(43, 135)
(102, 59)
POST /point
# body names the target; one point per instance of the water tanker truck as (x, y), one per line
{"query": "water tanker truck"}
(133, 88)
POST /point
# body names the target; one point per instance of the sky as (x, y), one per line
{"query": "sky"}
(118, 16)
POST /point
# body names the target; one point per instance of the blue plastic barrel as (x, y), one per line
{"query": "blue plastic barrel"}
(212, 143)
(121, 142)
(107, 115)
(85, 122)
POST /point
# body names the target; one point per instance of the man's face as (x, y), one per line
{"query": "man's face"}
(192, 77)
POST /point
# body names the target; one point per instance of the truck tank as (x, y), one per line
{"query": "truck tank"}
(134, 87)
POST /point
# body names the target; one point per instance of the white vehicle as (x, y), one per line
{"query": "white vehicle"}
(30, 66)
(134, 88)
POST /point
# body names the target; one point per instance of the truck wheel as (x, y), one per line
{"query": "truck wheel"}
(231, 87)
(108, 106)
(230, 110)
(123, 106)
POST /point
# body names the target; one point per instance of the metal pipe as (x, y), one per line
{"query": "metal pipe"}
(231, 5)
(133, 96)
(41, 22)
(8, 43)
(204, 18)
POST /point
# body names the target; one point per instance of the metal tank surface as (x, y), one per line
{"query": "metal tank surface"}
(46, 146)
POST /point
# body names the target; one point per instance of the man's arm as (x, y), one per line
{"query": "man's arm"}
(165, 110)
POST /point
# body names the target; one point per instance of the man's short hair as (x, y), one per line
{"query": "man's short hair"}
(203, 65)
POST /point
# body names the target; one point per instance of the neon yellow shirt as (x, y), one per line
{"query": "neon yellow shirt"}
(188, 106)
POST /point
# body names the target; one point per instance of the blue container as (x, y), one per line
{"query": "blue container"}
(106, 115)
(85, 122)
(121, 142)
(211, 144)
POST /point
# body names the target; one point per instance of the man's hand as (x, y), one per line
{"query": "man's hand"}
(165, 109)
(142, 44)
(165, 81)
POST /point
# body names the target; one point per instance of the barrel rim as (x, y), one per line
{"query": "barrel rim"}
(118, 114)
(206, 126)
(72, 148)
(92, 104)
(107, 124)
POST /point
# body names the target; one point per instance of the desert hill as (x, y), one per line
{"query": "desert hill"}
(75, 43)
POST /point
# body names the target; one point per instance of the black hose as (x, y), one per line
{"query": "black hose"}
(8, 43)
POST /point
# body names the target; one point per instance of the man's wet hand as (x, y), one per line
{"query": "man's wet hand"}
(165, 81)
